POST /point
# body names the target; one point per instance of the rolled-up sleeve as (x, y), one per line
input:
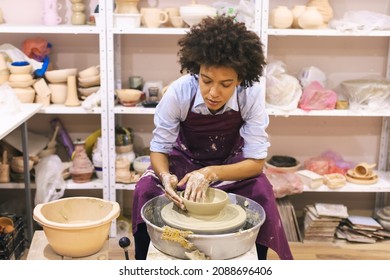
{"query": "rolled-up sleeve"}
(256, 121)
(171, 110)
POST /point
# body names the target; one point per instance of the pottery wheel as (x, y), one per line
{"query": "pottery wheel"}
(230, 219)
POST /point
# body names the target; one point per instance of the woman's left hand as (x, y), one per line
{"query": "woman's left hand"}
(196, 187)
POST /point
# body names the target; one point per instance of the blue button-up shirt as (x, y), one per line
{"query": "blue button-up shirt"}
(174, 106)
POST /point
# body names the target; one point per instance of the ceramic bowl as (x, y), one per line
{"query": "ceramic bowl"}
(193, 14)
(89, 81)
(61, 75)
(76, 226)
(129, 97)
(17, 164)
(216, 200)
(89, 72)
(20, 77)
(25, 95)
(141, 163)
(88, 90)
(283, 169)
(127, 20)
(20, 68)
(58, 93)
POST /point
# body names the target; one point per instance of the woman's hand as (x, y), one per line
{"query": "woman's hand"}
(196, 187)
(169, 182)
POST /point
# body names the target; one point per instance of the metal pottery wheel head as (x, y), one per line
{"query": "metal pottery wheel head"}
(215, 246)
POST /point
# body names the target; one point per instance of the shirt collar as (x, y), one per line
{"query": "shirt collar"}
(232, 102)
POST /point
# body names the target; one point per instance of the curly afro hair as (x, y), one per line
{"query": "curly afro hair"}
(222, 41)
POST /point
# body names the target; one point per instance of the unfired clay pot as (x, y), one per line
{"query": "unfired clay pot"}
(310, 19)
(82, 167)
(324, 8)
(297, 10)
(281, 17)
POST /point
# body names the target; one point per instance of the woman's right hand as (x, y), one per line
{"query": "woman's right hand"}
(169, 182)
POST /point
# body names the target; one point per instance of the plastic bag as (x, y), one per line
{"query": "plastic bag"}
(316, 97)
(284, 183)
(327, 163)
(361, 21)
(243, 12)
(311, 74)
(283, 90)
(48, 178)
(9, 102)
(14, 54)
(367, 94)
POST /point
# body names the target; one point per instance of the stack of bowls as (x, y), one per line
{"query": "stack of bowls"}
(89, 81)
(21, 80)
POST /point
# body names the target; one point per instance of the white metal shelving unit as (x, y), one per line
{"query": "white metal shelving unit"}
(98, 31)
(382, 187)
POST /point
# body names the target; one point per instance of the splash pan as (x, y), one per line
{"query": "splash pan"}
(217, 246)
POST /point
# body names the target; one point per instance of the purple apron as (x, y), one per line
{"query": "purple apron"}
(206, 140)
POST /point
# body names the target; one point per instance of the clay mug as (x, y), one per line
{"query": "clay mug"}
(177, 21)
(153, 17)
(172, 12)
(364, 169)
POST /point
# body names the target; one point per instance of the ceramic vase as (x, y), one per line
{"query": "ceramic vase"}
(71, 97)
(122, 171)
(50, 14)
(281, 17)
(78, 15)
(82, 167)
(126, 6)
(324, 8)
(310, 19)
(297, 10)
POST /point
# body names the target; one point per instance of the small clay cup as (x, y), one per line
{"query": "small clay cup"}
(364, 169)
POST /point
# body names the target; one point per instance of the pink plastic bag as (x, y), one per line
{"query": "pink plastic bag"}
(284, 183)
(316, 97)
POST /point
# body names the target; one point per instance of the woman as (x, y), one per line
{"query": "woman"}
(210, 130)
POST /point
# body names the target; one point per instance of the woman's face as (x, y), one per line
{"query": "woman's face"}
(217, 85)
